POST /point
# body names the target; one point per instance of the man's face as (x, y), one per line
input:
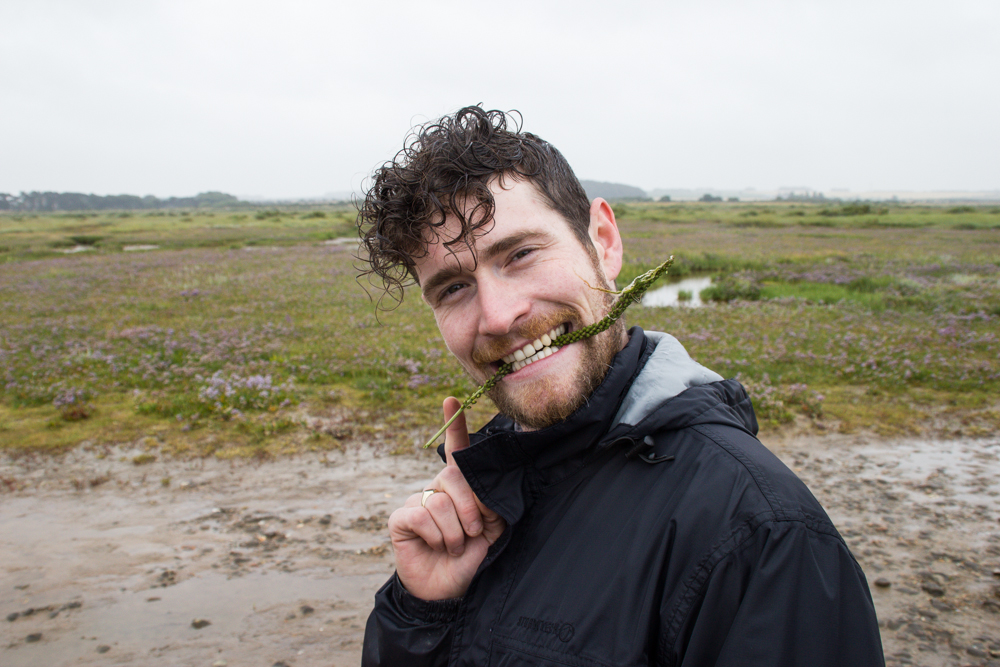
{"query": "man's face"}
(533, 280)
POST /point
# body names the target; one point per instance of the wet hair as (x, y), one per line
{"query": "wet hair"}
(446, 168)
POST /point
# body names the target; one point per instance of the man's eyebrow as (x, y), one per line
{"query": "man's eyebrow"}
(439, 278)
(498, 247)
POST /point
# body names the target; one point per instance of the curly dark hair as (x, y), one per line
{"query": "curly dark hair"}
(444, 166)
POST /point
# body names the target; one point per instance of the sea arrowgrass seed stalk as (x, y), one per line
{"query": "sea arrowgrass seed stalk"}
(631, 294)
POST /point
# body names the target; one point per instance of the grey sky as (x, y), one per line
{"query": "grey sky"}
(303, 98)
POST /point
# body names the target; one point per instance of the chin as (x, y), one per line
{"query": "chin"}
(542, 404)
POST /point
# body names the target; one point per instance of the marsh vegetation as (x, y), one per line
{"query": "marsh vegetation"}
(235, 333)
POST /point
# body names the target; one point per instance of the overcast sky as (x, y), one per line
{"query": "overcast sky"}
(298, 99)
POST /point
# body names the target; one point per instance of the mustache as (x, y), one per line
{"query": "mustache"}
(496, 348)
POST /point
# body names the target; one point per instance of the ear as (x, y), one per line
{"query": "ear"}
(605, 237)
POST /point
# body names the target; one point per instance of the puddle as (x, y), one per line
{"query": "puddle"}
(137, 248)
(76, 249)
(244, 614)
(225, 602)
(958, 471)
(668, 294)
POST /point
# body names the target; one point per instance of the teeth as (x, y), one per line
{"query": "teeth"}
(540, 348)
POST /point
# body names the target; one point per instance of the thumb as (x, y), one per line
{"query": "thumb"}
(493, 525)
(456, 438)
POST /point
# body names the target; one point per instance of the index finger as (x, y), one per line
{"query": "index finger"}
(456, 438)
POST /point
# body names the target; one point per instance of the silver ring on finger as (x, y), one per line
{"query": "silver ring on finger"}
(427, 494)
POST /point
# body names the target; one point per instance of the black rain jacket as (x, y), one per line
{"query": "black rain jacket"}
(649, 528)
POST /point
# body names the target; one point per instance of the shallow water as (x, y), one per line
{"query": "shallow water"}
(667, 295)
(959, 471)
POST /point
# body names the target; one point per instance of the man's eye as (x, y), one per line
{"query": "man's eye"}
(522, 253)
(451, 289)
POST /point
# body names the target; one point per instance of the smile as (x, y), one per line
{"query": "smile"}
(540, 348)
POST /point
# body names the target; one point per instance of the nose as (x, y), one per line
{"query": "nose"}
(501, 305)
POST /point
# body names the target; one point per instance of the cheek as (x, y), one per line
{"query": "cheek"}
(455, 335)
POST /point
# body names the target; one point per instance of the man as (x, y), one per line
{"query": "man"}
(619, 510)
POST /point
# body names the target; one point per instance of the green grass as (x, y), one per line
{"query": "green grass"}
(878, 320)
(821, 293)
(34, 236)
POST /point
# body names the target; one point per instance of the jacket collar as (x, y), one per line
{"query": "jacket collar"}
(504, 466)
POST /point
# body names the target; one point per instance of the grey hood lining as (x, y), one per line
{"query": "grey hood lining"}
(668, 371)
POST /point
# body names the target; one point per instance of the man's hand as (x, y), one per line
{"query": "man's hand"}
(439, 546)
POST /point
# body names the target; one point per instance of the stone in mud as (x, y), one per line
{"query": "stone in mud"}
(200, 623)
(976, 651)
(13, 616)
(306, 610)
(325, 520)
(34, 637)
(941, 605)
(103, 648)
(374, 523)
(933, 588)
(882, 582)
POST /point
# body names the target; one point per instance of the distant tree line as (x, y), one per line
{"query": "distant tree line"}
(613, 191)
(76, 201)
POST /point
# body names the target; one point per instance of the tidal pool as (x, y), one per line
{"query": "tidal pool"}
(667, 295)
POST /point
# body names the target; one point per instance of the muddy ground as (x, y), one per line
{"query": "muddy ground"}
(240, 563)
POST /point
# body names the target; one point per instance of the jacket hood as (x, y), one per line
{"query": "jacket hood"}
(668, 371)
(653, 384)
(674, 391)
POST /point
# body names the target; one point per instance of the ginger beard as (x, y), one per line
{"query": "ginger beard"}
(541, 402)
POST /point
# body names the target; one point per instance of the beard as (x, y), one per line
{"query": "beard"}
(549, 400)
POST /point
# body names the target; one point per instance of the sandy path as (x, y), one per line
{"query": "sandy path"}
(283, 558)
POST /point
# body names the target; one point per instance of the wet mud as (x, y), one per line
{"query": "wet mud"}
(242, 563)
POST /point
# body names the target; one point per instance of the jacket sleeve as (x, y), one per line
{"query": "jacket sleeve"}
(405, 630)
(790, 594)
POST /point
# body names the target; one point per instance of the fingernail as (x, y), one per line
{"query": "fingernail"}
(476, 527)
